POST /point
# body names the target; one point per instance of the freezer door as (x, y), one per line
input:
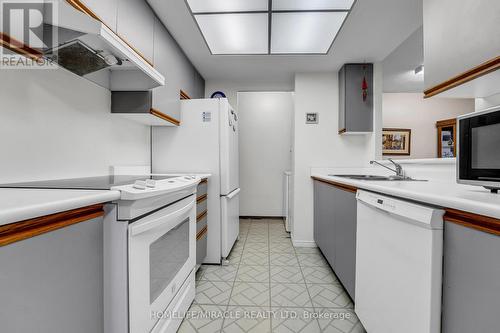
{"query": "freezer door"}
(230, 218)
(229, 155)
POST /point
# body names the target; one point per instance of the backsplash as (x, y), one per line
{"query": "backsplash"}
(443, 170)
(54, 124)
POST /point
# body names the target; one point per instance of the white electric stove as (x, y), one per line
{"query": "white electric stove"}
(149, 248)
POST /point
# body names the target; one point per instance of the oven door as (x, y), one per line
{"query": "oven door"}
(479, 151)
(161, 256)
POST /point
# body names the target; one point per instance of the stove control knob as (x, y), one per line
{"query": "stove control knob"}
(151, 183)
(140, 184)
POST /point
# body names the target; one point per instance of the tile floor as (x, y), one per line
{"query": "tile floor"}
(270, 286)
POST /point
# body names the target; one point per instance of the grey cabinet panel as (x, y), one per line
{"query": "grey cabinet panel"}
(187, 77)
(342, 124)
(135, 23)
(471, 280)
(167, 56)
(105, 10)
(335, 230)
(324, 227)
(199, 86)
(201, 249)
(54, 282)
(345, 238)
(355, 114)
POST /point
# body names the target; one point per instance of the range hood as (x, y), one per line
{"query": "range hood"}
(88, 48)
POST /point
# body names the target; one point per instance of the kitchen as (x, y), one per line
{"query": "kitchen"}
(133, 201)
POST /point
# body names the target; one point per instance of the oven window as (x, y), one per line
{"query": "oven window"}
(167, 255)
(485, 148)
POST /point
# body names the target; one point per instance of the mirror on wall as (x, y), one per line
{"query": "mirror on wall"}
(415, 127)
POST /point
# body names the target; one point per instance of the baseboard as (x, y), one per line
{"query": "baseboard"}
(263, 217)
(303, 243)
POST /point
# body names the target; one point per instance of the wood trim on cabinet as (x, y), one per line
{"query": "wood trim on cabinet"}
(15, 232)
(184, 95)
(202, 233)
(470, 220)
(474, 73)
(164, 116)
(78, 5)
(341, 186)
(201, 198)
(19, 47)
(201, 216)
(446, 123)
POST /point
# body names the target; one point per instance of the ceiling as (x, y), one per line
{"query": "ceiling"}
(399, 66)
(373, 29)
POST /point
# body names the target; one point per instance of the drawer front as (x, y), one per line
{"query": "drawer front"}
(201, 246)
(202, 188)
(201, 222)
(201, 206)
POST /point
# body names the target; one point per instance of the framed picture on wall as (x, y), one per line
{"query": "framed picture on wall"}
(396, 141)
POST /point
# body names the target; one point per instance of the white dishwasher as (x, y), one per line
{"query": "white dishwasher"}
(399, 251)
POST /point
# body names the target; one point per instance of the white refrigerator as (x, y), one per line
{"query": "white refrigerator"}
(206, 142)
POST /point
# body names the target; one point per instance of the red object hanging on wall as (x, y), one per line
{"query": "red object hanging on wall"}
(364, 86)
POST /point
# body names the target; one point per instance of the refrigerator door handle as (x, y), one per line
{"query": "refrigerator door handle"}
(233, 194)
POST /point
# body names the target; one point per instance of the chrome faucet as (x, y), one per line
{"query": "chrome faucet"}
(398, 168)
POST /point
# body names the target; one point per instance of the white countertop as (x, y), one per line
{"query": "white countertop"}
(445, 194)
(22, 204)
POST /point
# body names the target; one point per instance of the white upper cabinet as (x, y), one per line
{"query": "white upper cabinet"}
(458, 37)
(166, 57)
(105, 10)
(135, 24)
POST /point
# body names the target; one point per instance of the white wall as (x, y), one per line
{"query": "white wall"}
(487, 102)
(458, 36)
(231, 88)
(411, 110)
(54, 124)
(265, 141)
(321, 146)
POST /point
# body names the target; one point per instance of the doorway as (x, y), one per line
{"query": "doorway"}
(265, 141)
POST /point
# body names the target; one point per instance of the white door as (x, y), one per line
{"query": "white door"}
(230, 218)
(265, 150)
(229, 155)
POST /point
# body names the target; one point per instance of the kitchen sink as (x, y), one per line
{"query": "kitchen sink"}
(379, 178)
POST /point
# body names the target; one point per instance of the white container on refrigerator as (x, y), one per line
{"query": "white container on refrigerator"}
(399, 247)
(206, 142)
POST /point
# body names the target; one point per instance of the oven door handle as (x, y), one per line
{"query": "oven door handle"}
(146, 226)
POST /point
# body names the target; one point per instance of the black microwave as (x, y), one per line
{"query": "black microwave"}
(478, 158)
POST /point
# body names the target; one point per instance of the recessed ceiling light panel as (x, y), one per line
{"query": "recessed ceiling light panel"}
(312, 4)
(306, 32)
(218, 6)
(235, 33)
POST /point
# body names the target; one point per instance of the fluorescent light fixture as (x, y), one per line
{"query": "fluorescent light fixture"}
(419, 70)
(312, 4)
(269, 26)
(218, 6)
(235, 33)
(305, 32)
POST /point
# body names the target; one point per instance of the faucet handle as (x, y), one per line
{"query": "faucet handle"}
(399, 168)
